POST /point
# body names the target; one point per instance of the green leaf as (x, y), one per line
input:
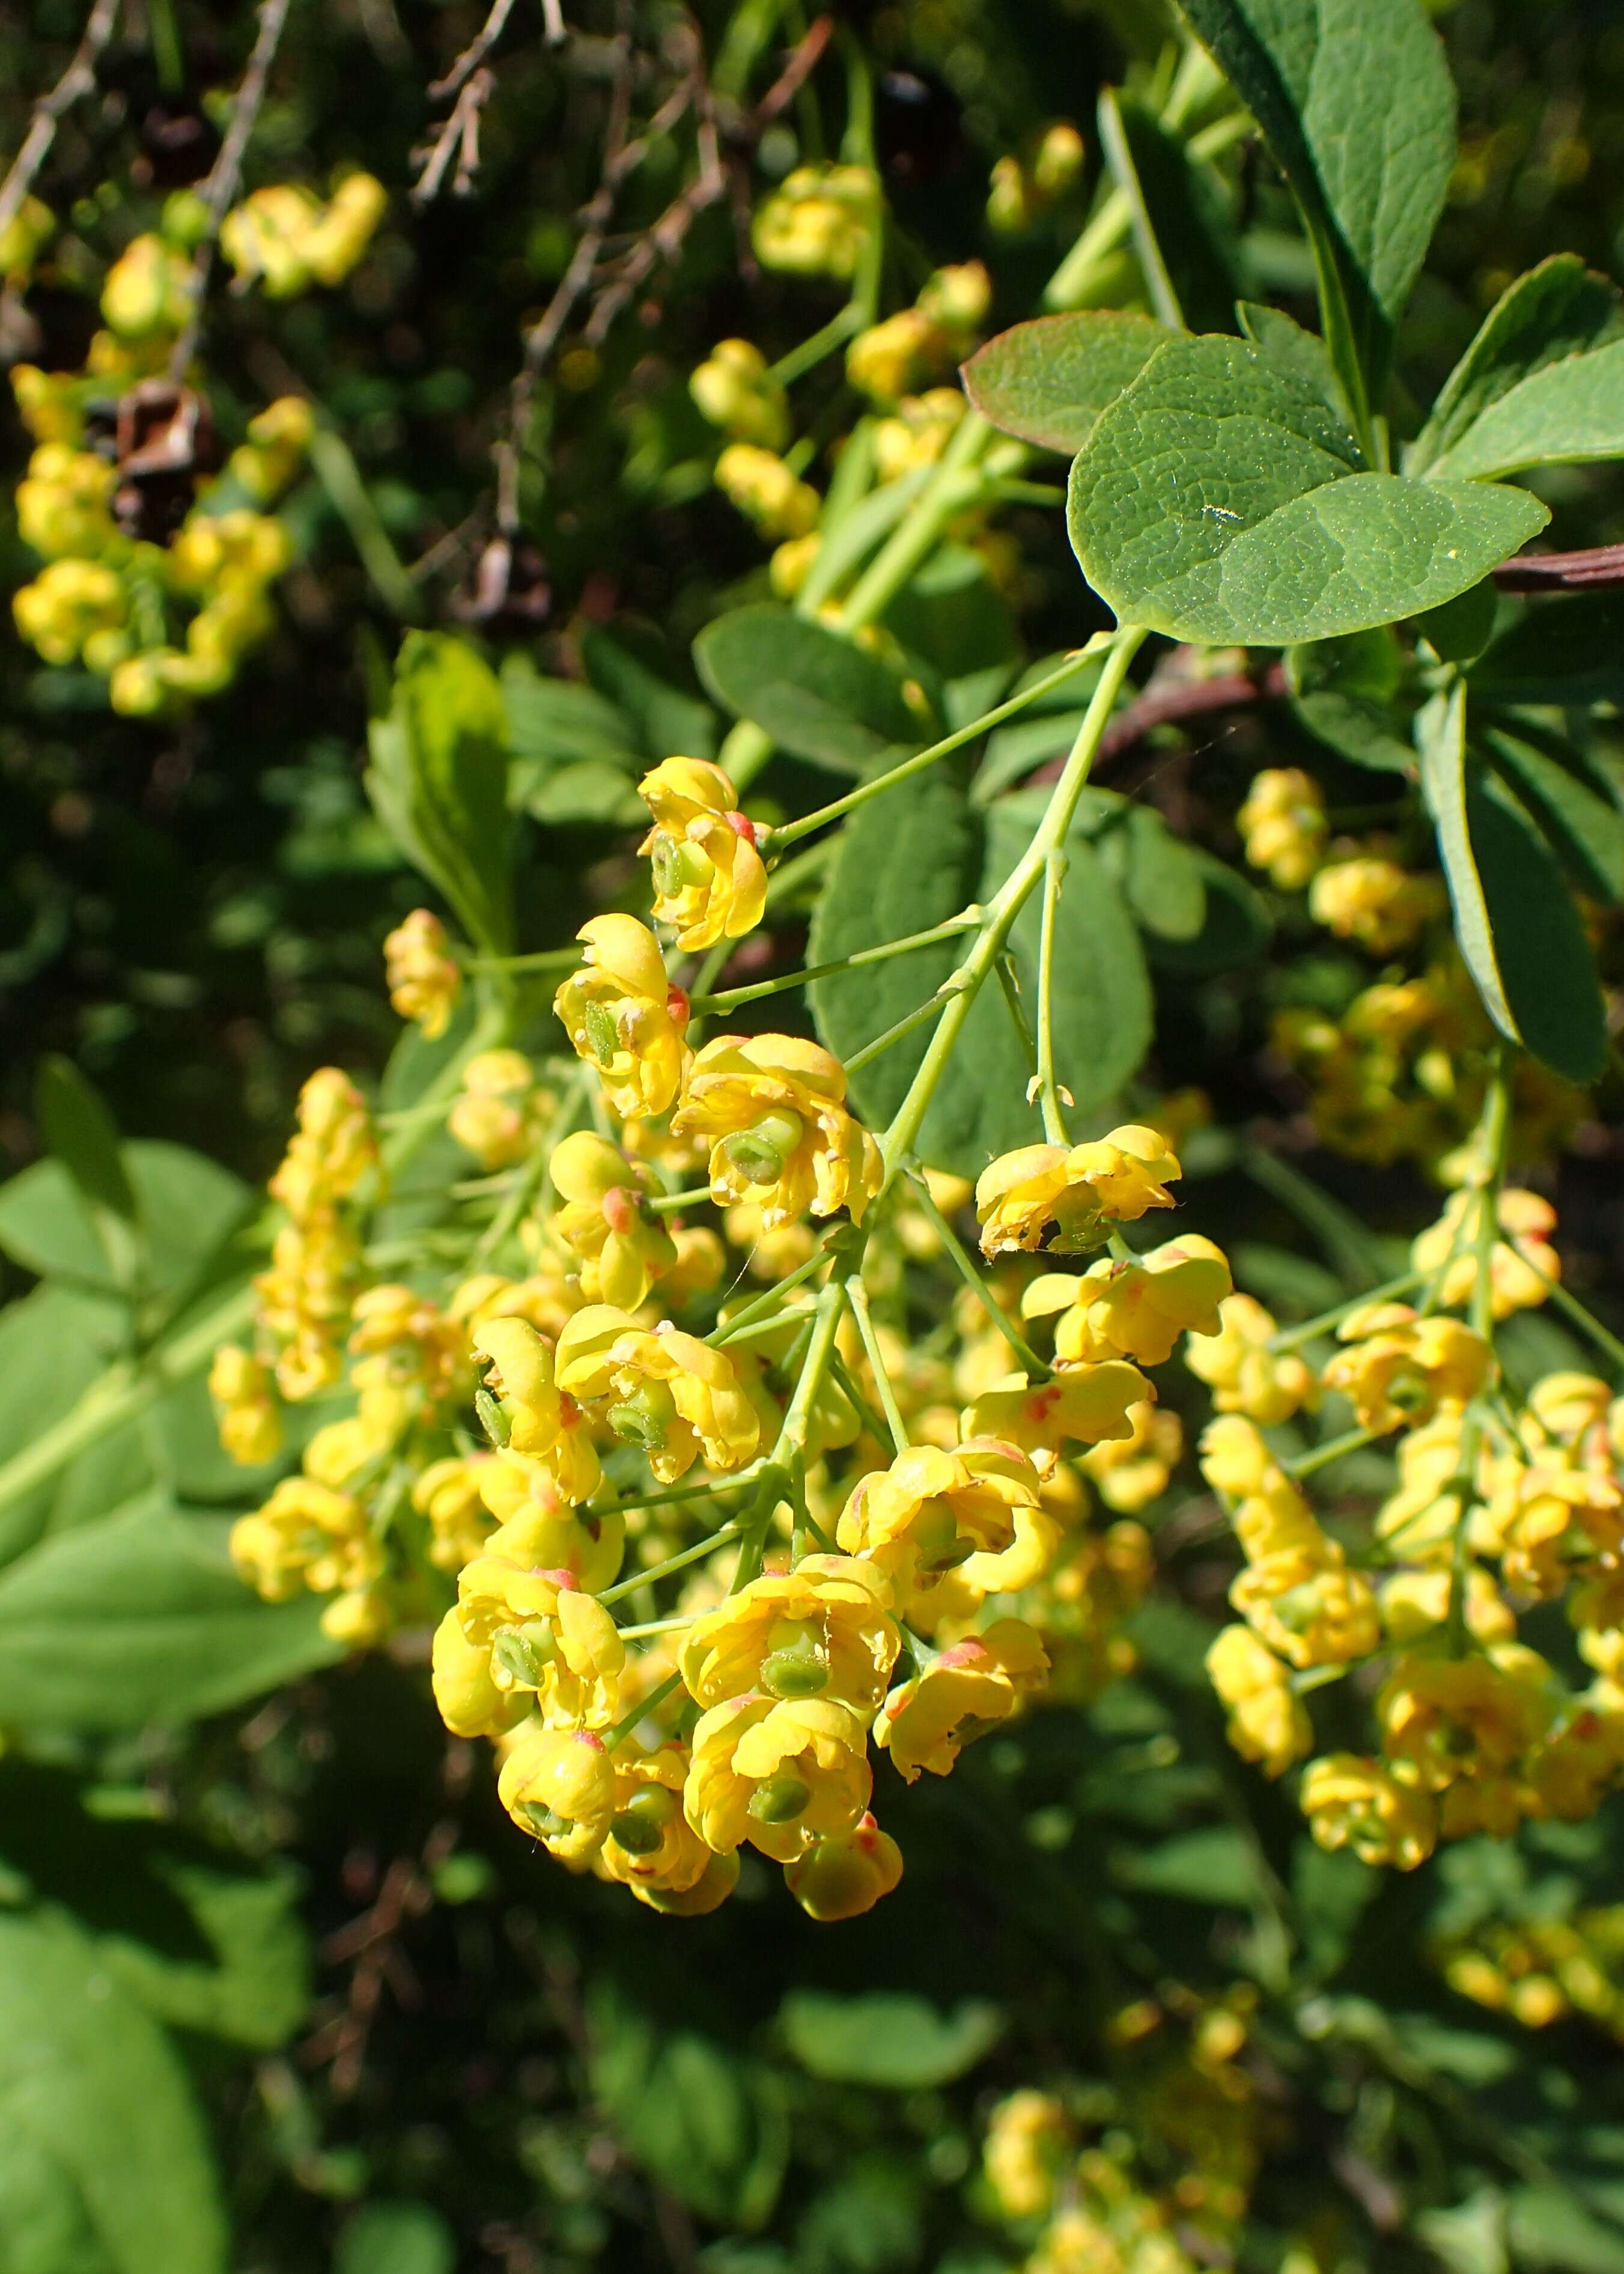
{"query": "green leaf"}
(80, 1132)
(632, 669)
(1179, 231)
(1357, 105)
(1585, 827)
(1463, 628)
(1218, 502)
(439, 780)
(1363, 732)
(1518, 928)
(1163, 879)
(396, 2238)
(960, 632)
(1048, 381)
(560, 721)
(1440, 739)
(907, 861)
(141, 1618)
(819, 696)
(89, 2080)
(712, 2128)
(1539, 383)
(1284, 341)
(1213, 1864)
(1236, 925)
(205, 1941)
(1545, 960)
(1567, 650)
(882, 2037)
(1550, 2228)
(187, 1205)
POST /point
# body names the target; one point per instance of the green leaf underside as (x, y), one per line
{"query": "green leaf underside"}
(1219, 502)
(1567, 650)
(909, 860)
(818, 696)
(1581, 821)
(1355, 103)
(1565, 415)
(92, 2087)
(1528, 368)
(1440, 740)
(1048, 381)
(141, 1617)
(438, 780)
(1177, 233)
(1519, 930)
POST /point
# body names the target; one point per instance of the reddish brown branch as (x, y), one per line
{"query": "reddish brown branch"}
(1598, 567)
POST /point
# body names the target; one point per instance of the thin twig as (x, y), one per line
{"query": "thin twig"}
(225, 176)
(474, 54)
(77, 80)
(459, 133)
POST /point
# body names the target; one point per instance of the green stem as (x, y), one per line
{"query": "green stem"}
(762, 1306)
(1320, 1456)
(733, 997)
(857, 1295)
(793, 831)
(680, 1563)
(789, 1452)
(667, 1203)
(1035, 1369)
(623, 1729)
(894, 1034)
(340, 476)
(1048, 1086)
(1292, 1338)
(823, 342)
(999, 918)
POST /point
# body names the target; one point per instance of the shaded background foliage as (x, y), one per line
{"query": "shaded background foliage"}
(500, 2067)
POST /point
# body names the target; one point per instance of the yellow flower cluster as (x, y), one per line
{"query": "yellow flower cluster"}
(1060, 2168)
(919, 344)
(1021, 189)
(424, 980)
(819, 221)
(286, 239)
(1541, 1970)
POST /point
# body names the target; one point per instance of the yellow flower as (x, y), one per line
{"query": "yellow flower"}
(1567, 1406)
(306, 1535)
(708, 1893)
(1284, 824)
(1268, 1724)
(544, 1425)
(1083, 1404)
(1235, 1459)
(822, 1630)
(1521, 1272)
(967, 1690)
(1028, 2135)
(976, 1511)
(1131, 1471)
(734, 390)
(1136, 1309)
(1245, 1375)
(1560, 1518)
(818, 221)
(774, 1771)
(664, 1392)
(559, 1785)
(1079, 1193)
(447, 1493)
(622, 1248)
(767, 491)
(469, 1702)
(1416, 1604)
(1450, 1717)
(770, 1251)
(918, 434)
(1369, 898)
(844, 1874)
(897, 356)
(773, 1109)
(650, 1844)
(249, 1426)
(501, 1113)
(334, 1147)
(1308, 1606)
(1381, 1815)
(623, 1016)
(583, 1684)
(709, 881)
(1399, 1369)
(424, 981)
(510, 1632)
